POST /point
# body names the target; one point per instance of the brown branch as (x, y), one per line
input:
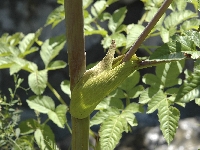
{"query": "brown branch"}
(147, 30)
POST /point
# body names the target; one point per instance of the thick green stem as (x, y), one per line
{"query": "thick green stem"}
(147, 30)
(77, 66)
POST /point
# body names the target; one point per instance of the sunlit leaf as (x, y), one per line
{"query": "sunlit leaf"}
(51, 48)
(42, 104)
(117, 19)
(133, 32)
(37, 81)
(168, 118)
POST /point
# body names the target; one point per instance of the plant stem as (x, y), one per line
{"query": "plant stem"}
(77, 66)
(147, 30)
(56, 94)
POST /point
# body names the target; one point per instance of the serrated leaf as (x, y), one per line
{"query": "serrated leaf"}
(58, 64)
(168, 118)
(6, 50)
(156, 101)
(169, 51)
(179, 17)
(51, 48)
(168, 73)
(56, 16)
(130, 118)
(117, 18)
(59, 115)
(42, 104)
(65, 87)
(144, 97)
(190, 24)
(133, 32)
(193, 36)
(102, 115)
(179, 4)
(190, 88)
(38, 81)
(111, 132)
(28, 41)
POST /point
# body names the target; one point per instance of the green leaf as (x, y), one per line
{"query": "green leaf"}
(193, 36)
(169, 72)
(5, 62)
(144, 97)
(197, 101)
(28, 126)
(12, 40)
(130, 118)
(190, 24)
(86, 3)
(111, 132)
(59, 115)
(180, 17)
(60, 2)
(171, 50)
(165, 35)
(117, 18)
(51, 48)
(28, 41)
(15, 68)
(58, 64)
(179, 4)
(168, 118)
(119, 38)
(39, 138)
(130, 82)
(150, 14)
(156, 101)
(56, 16)
(98, 7)
(6, 50)
(104, 104)
(38, 81)
(65, 86)
(134, 108)
(42, 104)
(116, 102)
(102, 115)
(190, 88)
(133, 32)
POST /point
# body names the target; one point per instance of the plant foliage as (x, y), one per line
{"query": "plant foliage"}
(161, 90)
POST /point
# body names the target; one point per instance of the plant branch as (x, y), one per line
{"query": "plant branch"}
(56, 94)
(147, 30)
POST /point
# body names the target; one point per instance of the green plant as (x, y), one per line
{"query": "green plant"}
(10, 116)
(117, 78)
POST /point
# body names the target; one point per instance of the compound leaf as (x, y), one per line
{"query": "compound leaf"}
(168, 118)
